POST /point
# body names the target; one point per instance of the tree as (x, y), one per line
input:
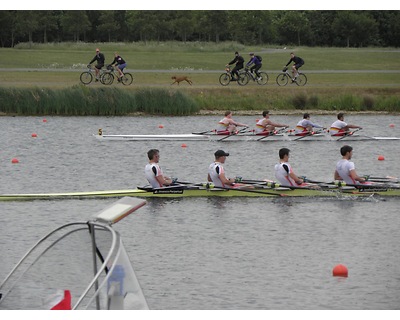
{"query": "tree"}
(108, 23)
(292, 26)
(48, 20)
(355, 28)
(75, 22)
(27, 22)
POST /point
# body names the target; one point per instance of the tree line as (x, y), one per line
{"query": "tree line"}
(300, 28)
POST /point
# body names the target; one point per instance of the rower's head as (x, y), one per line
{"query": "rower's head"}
(153, 153)
(265, 113)
(306, 116)
(346, 151)
(340, 116)
(220, 155)
(283, 153)
(228, 113)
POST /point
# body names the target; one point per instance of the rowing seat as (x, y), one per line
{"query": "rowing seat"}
(264, 133)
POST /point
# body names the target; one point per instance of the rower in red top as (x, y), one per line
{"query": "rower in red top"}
(265, 126)
(227, 125)
(341, 128)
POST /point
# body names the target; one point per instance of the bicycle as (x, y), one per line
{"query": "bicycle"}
(247, 75)
(283, 78)
(226, 77)
(86, 77)
(108, 76)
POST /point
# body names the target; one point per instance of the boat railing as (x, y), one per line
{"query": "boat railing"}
(86, 259)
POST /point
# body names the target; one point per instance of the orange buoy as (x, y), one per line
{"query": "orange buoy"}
(161, 126)
(391, 125)
(340, 270)
(381, 158)
(44, 120)
(183, 145)
(34, 135)
(14, 160)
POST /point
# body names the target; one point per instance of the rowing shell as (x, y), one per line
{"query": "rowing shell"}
(235, 137)
(203, 192)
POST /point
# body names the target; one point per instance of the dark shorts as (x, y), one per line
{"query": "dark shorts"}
(298, 65)
(99, 66)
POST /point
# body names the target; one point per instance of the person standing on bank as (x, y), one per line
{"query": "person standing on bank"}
(153, 172)
(238, 59)
(99, 58)
(216, 172)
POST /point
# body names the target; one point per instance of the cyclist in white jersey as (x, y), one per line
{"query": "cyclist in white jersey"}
(227, 125)
(305, 125)
(284, 172)
(216, 172)
(345, 169)
(153, 172)
(340, 128)
(266, 126)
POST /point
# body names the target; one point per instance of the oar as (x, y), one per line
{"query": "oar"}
(387, 179)
(210, 185)
(348, 134)
(273, 184)
(340, 183)
(311, 133)
(273, 133)
(233, 134)
(204, 132)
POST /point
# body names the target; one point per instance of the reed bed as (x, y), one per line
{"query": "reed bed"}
(82, 101)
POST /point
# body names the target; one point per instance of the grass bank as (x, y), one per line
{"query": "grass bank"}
(366, 79)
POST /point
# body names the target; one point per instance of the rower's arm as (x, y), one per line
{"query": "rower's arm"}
(164, 181)
(355, 177)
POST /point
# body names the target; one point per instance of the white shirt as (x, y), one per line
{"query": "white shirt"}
(151, 171)
(343, 168)
(214, 170)
(303, 124)
(282, 171)
(337, 126)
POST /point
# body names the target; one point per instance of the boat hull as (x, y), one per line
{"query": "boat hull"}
(202, 192)
(238, 137)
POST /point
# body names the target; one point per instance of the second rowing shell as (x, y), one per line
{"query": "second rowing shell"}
(238, 137)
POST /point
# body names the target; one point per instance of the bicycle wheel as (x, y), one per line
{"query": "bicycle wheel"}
(243, 78)
(225, 79)
(107, 78)
(282, 79)
(264, 78)
(301, 79)
(127, 79)
(86, 77)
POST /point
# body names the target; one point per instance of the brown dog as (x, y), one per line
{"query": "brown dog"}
(180, 79)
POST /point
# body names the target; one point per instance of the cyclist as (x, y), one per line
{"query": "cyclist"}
(298, 62)
(238, 59)
(120, 65)
(100, 58)
(256, 64)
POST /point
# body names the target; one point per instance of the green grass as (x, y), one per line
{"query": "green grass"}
(332, 84)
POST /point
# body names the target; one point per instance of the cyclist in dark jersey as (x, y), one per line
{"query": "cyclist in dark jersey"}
(100, 58)
(239, 65)
(298, 62)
